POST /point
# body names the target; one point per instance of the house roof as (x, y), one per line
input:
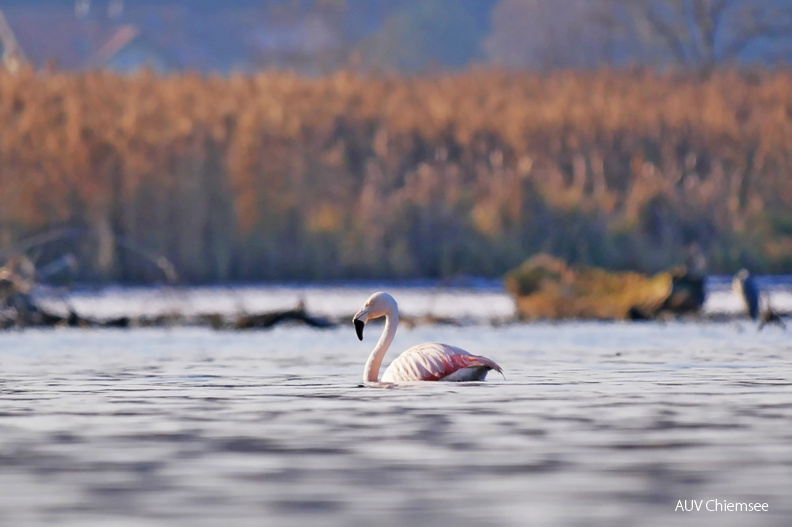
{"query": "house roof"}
(224, 40)
(55, 35)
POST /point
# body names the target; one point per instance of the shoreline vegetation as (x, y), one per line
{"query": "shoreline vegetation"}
(279, 177)
(37, 316)
(34, 314)
(542, 288)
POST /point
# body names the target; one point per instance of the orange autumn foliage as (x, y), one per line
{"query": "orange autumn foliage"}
(276, 176)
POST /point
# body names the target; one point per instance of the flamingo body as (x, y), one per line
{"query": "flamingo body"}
(424, 362)
(438, 362)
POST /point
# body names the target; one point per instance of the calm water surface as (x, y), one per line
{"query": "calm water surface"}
(595, 424)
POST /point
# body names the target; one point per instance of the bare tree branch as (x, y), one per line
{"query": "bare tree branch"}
(673, 34)
(704, 33)
(757, 23)
(709, 16)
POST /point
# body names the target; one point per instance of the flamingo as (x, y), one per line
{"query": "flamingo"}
(424, 362)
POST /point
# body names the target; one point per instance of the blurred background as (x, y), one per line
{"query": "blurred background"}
(334, 139)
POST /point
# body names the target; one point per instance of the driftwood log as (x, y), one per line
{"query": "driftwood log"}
(19, 309)
(268, 320)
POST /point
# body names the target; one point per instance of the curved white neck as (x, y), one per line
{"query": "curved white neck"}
(371, 371)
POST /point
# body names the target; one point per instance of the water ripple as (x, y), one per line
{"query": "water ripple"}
(591, 427)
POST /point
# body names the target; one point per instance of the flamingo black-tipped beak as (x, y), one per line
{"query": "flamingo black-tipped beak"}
(359, 325)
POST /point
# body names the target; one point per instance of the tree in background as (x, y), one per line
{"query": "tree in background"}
(693, 34)
(704, 34)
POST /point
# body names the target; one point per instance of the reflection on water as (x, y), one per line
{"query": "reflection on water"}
(595, 424)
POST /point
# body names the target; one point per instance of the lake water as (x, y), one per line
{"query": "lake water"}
(595, 424)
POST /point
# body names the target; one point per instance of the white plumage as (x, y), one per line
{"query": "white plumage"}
(424, 362)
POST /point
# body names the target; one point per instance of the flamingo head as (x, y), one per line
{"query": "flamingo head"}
(378, 305)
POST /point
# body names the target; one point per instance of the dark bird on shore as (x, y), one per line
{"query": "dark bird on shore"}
(745, 286)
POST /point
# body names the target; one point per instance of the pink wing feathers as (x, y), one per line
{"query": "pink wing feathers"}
(434, 362)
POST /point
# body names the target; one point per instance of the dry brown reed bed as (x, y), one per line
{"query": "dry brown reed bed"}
(274, 176)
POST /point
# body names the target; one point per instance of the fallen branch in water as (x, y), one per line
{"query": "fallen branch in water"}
(770, 317)
(268, 320)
